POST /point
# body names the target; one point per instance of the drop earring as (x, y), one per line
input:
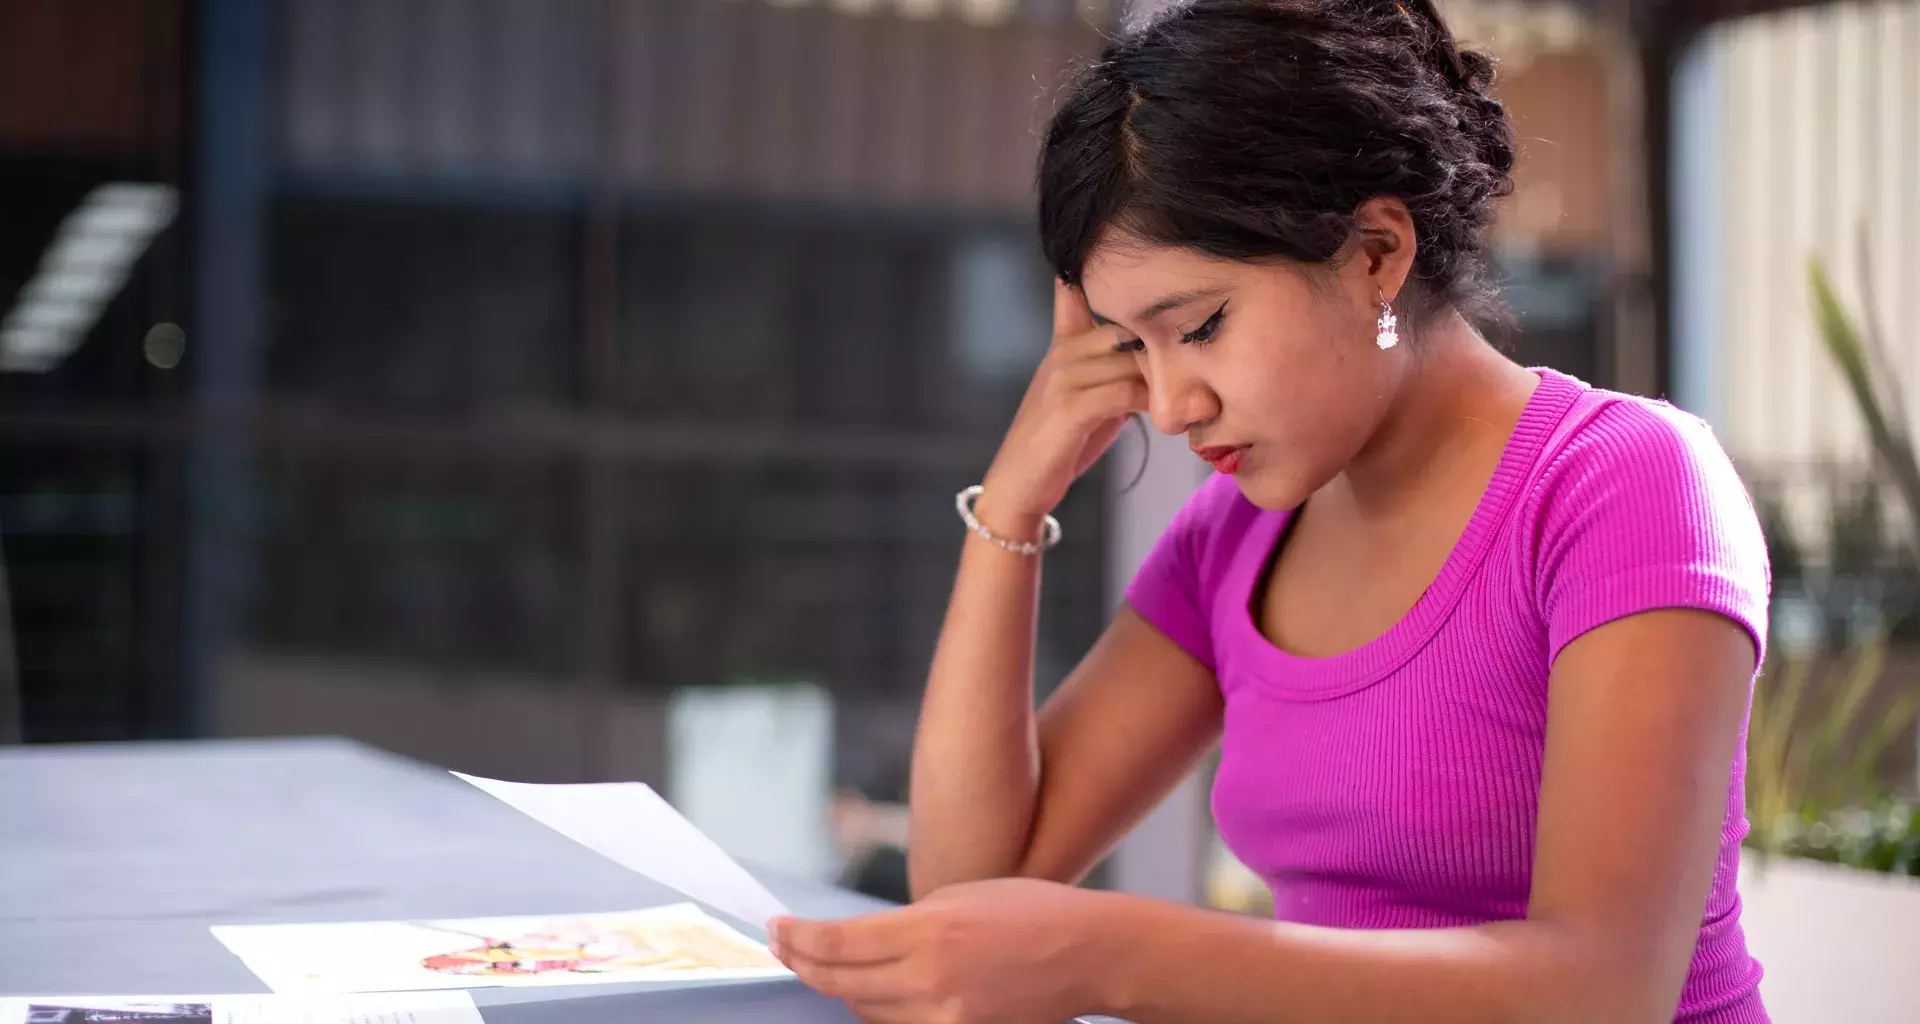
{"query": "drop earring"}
(1389, 325)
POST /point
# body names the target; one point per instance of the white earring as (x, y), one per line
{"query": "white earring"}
(1389, 325)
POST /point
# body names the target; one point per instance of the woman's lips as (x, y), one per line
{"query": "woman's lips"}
(1223, 458)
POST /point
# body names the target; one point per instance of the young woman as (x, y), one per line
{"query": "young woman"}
(1477, 640)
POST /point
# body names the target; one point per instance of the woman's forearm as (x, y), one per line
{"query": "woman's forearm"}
(976, 763)
(1154, 962)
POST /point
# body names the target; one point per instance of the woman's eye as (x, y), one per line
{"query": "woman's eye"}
(1204, 333)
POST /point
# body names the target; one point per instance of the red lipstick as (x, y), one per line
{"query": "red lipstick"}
(1223, 458)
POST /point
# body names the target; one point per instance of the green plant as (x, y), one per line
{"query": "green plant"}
(1812, 753)
(1885, 837)
(1862, 361)
(1813, 749)
(1783, 548)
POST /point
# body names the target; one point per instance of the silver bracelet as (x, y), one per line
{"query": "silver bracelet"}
(964, 503)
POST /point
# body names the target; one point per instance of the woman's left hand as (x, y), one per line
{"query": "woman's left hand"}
(1012, 950)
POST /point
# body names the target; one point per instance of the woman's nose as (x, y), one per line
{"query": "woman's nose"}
(1175, 400)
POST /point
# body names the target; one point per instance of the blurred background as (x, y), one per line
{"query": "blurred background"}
(569, 390)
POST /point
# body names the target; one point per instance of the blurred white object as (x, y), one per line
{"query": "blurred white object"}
(1000, 323)
(1837, 944)
(752, 766)
(84, 267)
(1798, 627)
(860, 825)
(1232, 885)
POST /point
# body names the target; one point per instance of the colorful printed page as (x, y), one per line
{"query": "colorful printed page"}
(674, 943)
(386, 1008)
(628, 823)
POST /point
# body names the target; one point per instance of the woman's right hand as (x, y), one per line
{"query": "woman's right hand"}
(1080, 398)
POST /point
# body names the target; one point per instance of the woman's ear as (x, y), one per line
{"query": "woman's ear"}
(1386, 241)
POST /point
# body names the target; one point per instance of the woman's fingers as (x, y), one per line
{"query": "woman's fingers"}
(1091, 343)
(1082, 381)
(890, 982)
(1096, 370)
(1114, 400)
(871, 939)
(891, 1013)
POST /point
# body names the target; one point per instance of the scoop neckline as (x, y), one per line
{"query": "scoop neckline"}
(1307, 678)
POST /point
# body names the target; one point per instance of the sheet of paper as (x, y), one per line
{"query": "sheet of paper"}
(673, 943)
(629, 823)
(455, 1007)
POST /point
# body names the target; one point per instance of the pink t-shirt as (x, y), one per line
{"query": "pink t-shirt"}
(1397, 785)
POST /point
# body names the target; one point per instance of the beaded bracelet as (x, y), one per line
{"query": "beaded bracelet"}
(964, 503)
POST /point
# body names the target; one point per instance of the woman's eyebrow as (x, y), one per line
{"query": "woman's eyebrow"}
(1170, 302)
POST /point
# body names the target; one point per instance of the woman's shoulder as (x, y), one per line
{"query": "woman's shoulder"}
(1610, 441)
(1176, 587)
(1635, 505)
(1214, 520)
(1205, 537)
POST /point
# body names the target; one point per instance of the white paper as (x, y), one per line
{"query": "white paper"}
(628, 823)
(454, 1007)
(672, 943)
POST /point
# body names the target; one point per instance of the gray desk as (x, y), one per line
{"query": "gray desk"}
(115, 859)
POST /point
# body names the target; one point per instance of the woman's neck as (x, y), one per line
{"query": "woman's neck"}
(1456, 405)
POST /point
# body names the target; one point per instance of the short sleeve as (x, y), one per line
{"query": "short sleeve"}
(1173, 590)
(1642, 510)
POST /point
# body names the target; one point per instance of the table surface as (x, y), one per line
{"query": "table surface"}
(115, 859)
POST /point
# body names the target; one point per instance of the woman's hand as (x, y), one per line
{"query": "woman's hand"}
(1079, 400)
(1008, 951)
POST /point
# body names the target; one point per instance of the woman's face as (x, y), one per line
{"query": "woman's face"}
(1272, 378)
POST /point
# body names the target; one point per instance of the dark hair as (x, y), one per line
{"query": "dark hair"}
(1253, 129)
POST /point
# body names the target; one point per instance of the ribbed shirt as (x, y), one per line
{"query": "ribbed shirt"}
(1398, 785)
